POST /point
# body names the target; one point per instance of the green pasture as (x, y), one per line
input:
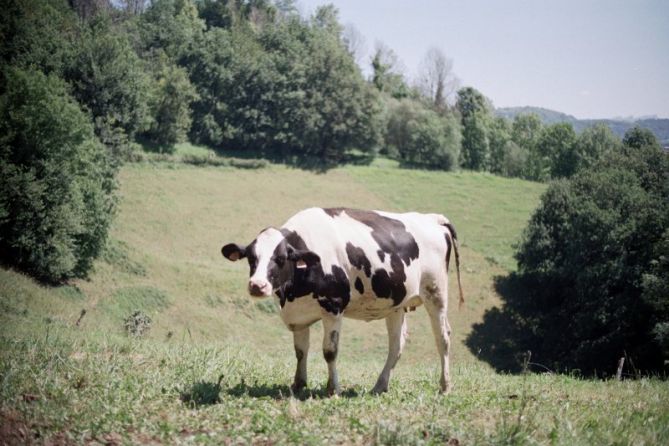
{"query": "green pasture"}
(216, 365)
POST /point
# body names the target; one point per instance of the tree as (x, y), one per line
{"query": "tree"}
(169, 104)
(525, 132)
(343, 109)
(638, 137)
(499, 135)
(37, 33)
(436, 80)
(387, 74)
(557, 146)
(172, 27)
(592, 264)
(475, 115)
(56, 196)
(108, 79)
(594, 143)
(420, 136)
(290, 90)
(87, 9)
(514, 161)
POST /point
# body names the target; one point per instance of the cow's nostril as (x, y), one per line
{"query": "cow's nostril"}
(256, 289)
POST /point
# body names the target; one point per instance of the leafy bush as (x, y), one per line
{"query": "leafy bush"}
(421, 137)
(137, 324)
(212, 160)
(591, 285)
(56, 200)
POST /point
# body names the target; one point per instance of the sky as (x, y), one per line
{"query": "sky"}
(587, 58)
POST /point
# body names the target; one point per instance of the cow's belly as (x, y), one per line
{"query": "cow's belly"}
(369, 308)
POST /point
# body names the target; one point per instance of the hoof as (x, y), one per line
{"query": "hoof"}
(298, 386)
(378, 390)
(334, 391)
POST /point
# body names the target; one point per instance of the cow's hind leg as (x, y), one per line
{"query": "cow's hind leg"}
(301, 342)
(396, 325)
(331, 330)
(436, 302)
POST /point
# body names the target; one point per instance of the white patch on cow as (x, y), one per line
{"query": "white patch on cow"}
(266, 243)
(300, 312)
(318, 233)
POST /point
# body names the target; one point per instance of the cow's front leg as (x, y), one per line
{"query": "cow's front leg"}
(301, 342)
(397, 329)
(331, 330)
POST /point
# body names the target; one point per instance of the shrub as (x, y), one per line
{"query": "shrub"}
(137, 324)
(593, 264)
(419, 136)
(56, 194)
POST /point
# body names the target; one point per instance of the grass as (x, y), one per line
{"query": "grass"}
(63, 386)
(70, 378)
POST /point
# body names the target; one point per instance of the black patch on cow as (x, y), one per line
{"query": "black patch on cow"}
(333, 212)
(358, 258)
(331, 355)
(393, 240)
(332, 290)
(382, 255)
(252, 258)
(447, 236)
(359, 286)
(389, 285)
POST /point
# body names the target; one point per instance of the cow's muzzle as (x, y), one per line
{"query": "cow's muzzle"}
(259, 289)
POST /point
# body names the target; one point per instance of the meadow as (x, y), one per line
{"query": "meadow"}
(216, 365)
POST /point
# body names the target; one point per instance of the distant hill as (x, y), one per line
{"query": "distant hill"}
(660, 127)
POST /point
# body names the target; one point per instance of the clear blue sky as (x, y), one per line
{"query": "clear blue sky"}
(588, 58)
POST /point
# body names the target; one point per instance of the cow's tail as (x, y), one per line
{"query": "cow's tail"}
(453, 237)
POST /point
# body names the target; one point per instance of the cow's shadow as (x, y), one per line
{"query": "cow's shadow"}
(204, 393)
(282, 392)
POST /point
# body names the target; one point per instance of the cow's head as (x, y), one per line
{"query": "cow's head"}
(274, 263)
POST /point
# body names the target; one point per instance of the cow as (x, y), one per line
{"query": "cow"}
(329, 263)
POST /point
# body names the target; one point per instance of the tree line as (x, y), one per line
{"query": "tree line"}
(257, 77)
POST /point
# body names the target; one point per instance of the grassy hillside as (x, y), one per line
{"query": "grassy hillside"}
(60, 381)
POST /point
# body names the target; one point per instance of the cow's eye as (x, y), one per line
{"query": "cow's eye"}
(280, 260)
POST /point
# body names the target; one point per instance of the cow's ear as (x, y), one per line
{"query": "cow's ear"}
(303, 259)
(233, 251)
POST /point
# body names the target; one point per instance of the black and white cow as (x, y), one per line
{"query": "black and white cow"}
(327, 264)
